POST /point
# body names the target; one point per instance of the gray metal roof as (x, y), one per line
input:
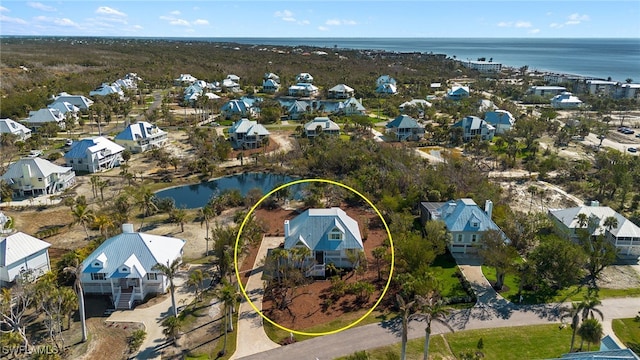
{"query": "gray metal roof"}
(313, 226)
(18, 246)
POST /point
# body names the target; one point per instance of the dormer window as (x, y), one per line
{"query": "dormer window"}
(336, 234)
(475, 224)
(124, 269)
(97, 264)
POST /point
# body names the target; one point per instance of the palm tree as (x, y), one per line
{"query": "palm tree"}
(431, 308)
(610, 223)
(207, 214)
(145, 201)
(228, 295)
(583, 220)
(574, 313)
(172, 326)
(178, 217)
(82, 215)
(588, 306)
(170, 270)
(407, 309)
(76, 270)
(591, 330)
(195, 280)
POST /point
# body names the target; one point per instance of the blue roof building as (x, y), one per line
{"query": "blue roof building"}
(404, 127)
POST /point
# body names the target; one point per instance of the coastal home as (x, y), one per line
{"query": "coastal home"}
(304, 78)
(303, 90)
(237, 108)
(298, 109)
(321, 125)
(546, 90)
(47, 115)
(625, 236)
(82, 102)
(184, 79)
(22, 252)
(94, 154)
(247, 134)
(19, 131)
(272, 76)
(566, 100)
(474, 126)
(66, 109)
(352, 106)
(389, 89)
(385, 79)
(141, 136)
(330, 234)
(415, 104)
(122, 266)
(458, 92)
(36, 176)
(230, 85)
(465, 221)
(270, 86)
(405, 128)
(340, 91)
(502, 120)
(629, 91)
(106, 89)
(482, 66)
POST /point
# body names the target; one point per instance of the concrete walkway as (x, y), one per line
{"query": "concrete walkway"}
(251, 338)
(152, 318)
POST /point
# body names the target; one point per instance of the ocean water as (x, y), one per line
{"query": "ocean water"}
(600, 58)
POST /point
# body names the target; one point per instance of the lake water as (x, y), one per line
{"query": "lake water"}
(198, 195)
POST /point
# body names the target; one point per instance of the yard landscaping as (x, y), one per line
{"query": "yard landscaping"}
(628, 331)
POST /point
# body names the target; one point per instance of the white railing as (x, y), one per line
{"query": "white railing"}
(316, 270)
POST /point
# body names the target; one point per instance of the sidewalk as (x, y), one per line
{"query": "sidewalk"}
(251, 338)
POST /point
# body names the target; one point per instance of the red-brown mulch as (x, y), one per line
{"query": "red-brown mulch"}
(309, 307)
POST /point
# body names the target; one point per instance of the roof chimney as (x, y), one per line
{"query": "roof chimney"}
(127, 228)
(488, 208)
(287, 229)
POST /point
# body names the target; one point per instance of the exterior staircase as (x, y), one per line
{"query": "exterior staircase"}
(125, 300)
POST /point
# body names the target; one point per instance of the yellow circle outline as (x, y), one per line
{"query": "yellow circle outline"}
(243, 290)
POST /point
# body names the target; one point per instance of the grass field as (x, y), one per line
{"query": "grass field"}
(628, 331)
(523, 342)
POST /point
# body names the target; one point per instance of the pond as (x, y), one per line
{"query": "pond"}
(198, 195)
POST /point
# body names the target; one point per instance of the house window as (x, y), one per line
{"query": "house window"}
(39, 179)
(97, 264)
(152, 276)
(335, 234)
(124, 269)
(475, 224)
(97, 276)
(473, 238)
(459, 237)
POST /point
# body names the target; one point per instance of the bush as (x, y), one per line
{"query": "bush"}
(136, 339)
(358, 355)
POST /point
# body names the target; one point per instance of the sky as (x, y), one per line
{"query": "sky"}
(328, 19)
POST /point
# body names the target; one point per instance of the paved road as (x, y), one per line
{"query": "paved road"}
(592, 139)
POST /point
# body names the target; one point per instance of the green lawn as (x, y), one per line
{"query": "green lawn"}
(523, 342)
(572, 293)
(628, 331)
(445, 269)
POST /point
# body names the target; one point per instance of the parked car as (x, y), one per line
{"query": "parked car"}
(638, 135)
(69, 142)
(35, 153)
(632, 150)
(629, 132)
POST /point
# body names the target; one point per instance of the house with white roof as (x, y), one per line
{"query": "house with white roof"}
(473, 126)
(418, 104)
(389, 89)
(502, 120)
(122, 266)
(106, 89)
(385, 79)
(237, 107)
(65, 108)
(465, 221)
(340, 91)
(321, 125)
(601, 87)
(270, 86)
(352, 106)
(230, 85)
(458, 92)
(482, 66)
(184, 79)
(46, 115)
(272, 76)
(36, 176)
(247, 134)
(330, 234)
(8, 126)
(141, 136)
(629, 91)
(566, 100)
(305, 78)
(94, 155)
(405, 128)
(22, 252)
(303, 90)
(625, 236)
(82, 102)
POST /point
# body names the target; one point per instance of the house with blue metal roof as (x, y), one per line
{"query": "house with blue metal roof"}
(94, 155)
(122, 266)
(501, 120)
(458, 92)
(330, 234)
(404, 127)
(473, 126)
(465, 221)
(247, 134)
(141, 136)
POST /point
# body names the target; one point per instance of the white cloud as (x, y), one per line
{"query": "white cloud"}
(523, 24)
(138, 27)
(304, 22)
(41, 6)
(323, 28)
(578, 17)
(175, 12)
(4, 9)
(105, 10)
(555, 25)
(283, 14)
(338, 22)
(534, 31)
(201, 22)
(7, 19)
(64, 22)
(175, 21)
(518, 24)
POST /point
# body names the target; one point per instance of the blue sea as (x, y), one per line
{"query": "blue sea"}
(593, 57)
